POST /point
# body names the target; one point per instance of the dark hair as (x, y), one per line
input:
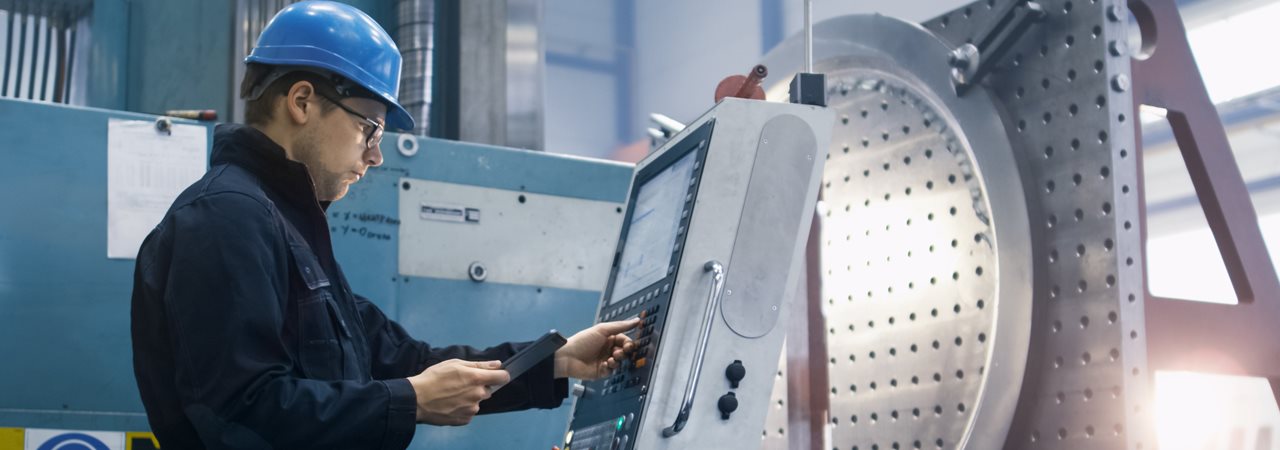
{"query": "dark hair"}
(258, 111)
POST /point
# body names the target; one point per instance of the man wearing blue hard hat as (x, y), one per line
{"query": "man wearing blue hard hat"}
(246, 334)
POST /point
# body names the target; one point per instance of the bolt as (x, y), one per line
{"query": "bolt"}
(1120, 82)
(1114, 13)
(1117, 48)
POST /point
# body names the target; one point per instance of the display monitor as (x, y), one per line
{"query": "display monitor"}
(652, 232)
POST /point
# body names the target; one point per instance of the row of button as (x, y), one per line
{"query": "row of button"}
(640, 300)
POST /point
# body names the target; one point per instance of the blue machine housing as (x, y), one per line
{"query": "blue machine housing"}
(64, 329)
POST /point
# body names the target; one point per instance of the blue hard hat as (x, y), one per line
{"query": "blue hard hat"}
(338, 38)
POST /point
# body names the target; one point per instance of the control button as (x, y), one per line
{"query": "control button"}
(631, 419)
(665, 289)
(727, 404)
(641, 362)
(679, 231)
(677, 248)
(622, 420)
(735, 372)
(644, 313)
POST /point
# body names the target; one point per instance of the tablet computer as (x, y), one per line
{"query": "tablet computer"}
(528, 357)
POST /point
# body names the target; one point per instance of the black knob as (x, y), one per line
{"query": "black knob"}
(728, 404)
(735, 372)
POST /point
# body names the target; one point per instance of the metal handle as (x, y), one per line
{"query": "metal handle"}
(691, 386)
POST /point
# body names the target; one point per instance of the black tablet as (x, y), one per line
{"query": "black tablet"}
(541, 349)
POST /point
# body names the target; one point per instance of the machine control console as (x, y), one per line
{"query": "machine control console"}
(715, 221)
(641, 286)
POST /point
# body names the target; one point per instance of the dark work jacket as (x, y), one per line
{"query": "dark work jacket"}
(246, 334)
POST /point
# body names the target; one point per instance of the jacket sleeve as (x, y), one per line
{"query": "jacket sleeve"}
(226, 300)
(395, 354)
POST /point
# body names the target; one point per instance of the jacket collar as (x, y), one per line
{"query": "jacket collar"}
(253, 150)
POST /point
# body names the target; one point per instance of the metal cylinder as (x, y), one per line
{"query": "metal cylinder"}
(415, 39)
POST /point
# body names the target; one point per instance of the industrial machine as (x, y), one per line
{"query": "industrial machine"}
(394, 233)
(708, 258)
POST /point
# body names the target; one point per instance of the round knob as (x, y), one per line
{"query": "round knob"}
(728, 404)
(735, 373)
(477, 272)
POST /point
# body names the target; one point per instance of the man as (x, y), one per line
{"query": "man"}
(246, 334)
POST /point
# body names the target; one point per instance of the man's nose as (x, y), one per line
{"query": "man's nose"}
(373, 156)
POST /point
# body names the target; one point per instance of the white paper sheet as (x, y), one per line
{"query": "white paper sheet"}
(146, 170)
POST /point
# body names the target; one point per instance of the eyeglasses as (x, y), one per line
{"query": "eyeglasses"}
(373, 138)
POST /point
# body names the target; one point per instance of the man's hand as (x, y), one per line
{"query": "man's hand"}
(596, 351)
(449, 393)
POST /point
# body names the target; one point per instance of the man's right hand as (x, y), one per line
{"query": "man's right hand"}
(449, 393)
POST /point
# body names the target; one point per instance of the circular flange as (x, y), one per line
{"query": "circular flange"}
(926, 246)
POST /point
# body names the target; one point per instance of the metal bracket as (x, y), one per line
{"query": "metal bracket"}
(1236, 339)
(970, 62)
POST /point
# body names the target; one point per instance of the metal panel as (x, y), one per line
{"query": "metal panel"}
(1088, 384)
(66, 306)
(517, 237)
(721, 205)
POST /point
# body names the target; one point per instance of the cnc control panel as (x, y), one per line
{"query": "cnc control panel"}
(644, 271)
(706, 258)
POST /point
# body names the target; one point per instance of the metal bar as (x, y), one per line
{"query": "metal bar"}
(72, 24)
(60, 24)
(22, 47)
(48, 52)
(8, 48)
(695, 371)
(808, 36)
(34, 73)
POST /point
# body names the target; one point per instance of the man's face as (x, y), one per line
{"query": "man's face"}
(333, 147)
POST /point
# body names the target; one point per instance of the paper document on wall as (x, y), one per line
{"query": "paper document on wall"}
(146, 170)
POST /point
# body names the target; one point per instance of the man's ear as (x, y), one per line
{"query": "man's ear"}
(297, 101)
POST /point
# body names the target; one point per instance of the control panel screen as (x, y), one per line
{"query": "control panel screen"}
(646, 253)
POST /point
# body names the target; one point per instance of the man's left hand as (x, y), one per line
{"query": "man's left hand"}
(596, 351)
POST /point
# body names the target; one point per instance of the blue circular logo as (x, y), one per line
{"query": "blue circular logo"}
(73, 441)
